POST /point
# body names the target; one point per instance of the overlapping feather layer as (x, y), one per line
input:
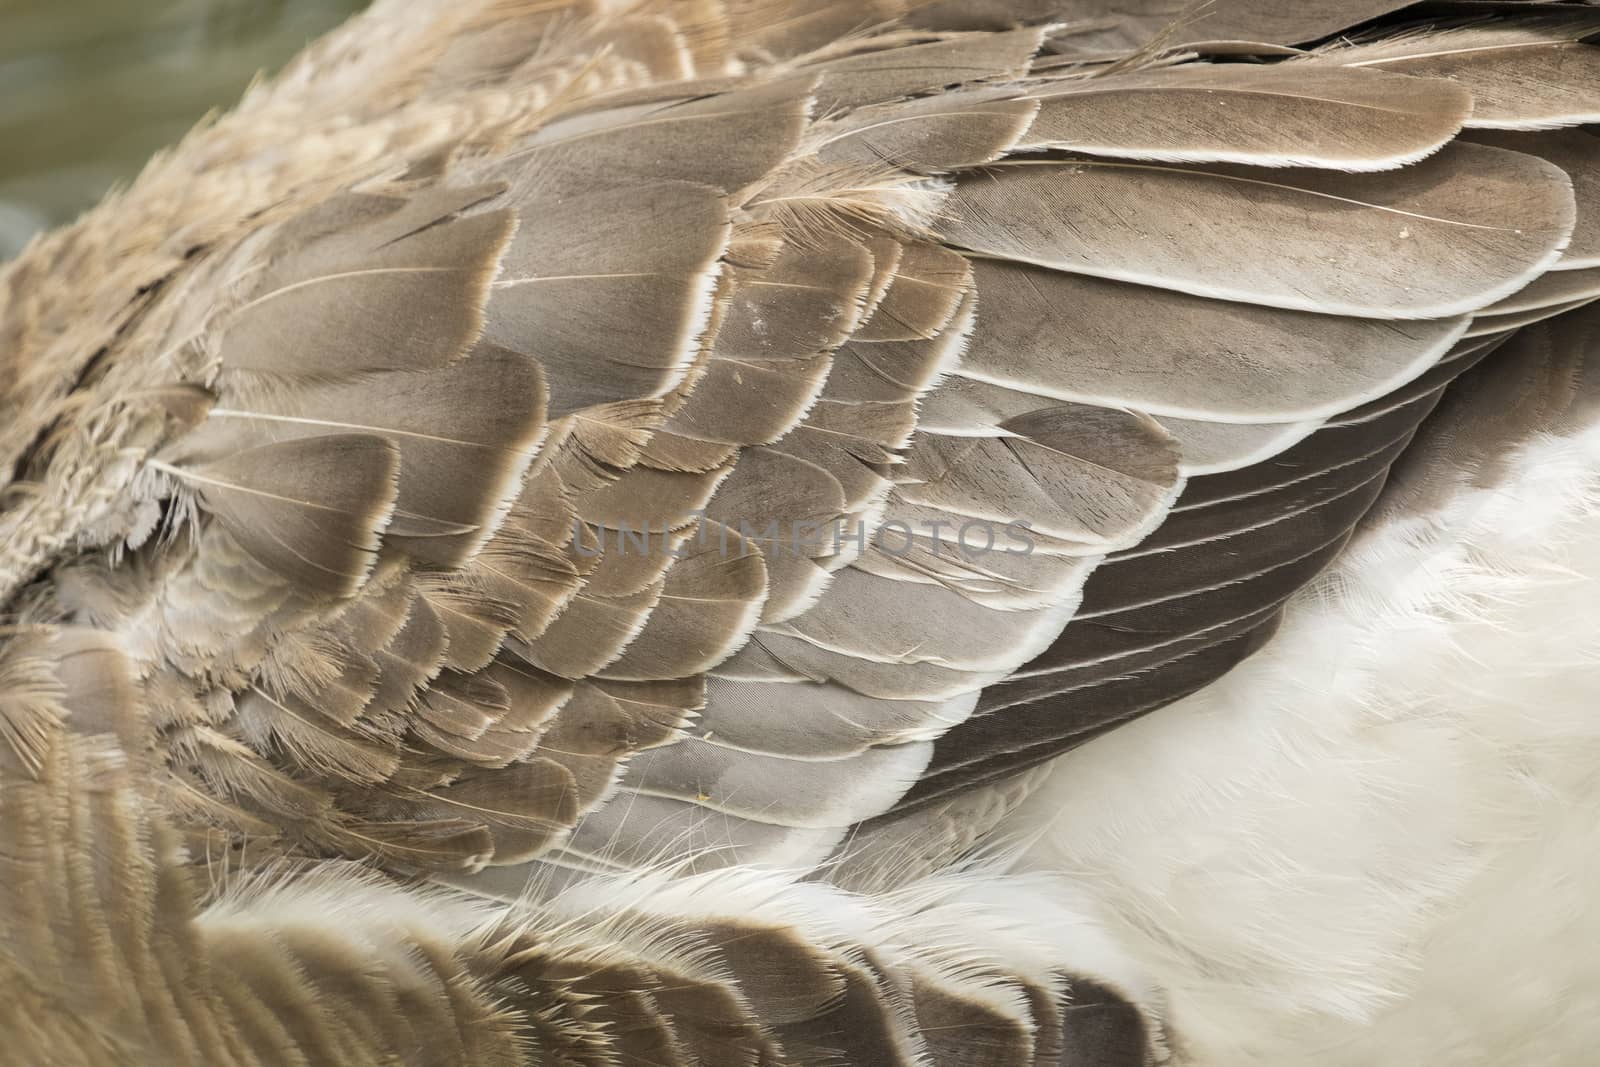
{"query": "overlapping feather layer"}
(734, 437)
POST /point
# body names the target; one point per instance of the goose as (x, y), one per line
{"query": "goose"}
(872, 533)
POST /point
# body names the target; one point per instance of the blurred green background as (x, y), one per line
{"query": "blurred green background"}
(90, 88)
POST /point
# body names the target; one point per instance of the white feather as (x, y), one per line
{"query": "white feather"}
(1375, 843)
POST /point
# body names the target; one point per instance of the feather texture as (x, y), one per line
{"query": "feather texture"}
(1280, 115)
(1165, 232)
(1531, 75)
(646, 448)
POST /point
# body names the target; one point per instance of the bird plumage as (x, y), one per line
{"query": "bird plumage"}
(487, 543)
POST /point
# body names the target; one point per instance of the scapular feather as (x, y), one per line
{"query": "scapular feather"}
(474, 623)
(1553, 290)
(1529, 75)
(930, 135)
(435, 845)
(1112, 27)
(1577, 152)
(874, 77)
(919, 624)
(591, 633)
(633, 558)
(412, 659)
(807, 720)
(752, 135)
(1281, 115)
(536, 795)
(1491, 325)
(1217, 447)
(314, 742)
(575, 290)
(926, 291)
(1089, 475)
(465, 436)
(710, 602)
(645, 495)
(808, 300)
(310, 509)
(803, 793)
(886, 252)
(671, 451)
(1310, 241)
(779, 30)
(739, 402)
(404, 288)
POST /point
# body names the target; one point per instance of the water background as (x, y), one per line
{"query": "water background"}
(90, 88)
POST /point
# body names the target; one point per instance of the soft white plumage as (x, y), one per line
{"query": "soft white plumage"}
(1376, 843)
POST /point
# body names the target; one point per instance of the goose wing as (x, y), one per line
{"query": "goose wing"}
(723, 437)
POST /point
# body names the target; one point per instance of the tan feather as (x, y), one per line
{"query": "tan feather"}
(1489, 325)
(1116, 29)
(1092, 476)
(710, 603)
(1578, 153)
(465, 435)
(1058, 335)
(405, 276)
(1165, 231)
(574, 290)
(752, 133)
(876, 76)
(312, 510)
(1533, 74)
(1552, 290)
(930, 134)
(1280, 115)
(926, 291)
